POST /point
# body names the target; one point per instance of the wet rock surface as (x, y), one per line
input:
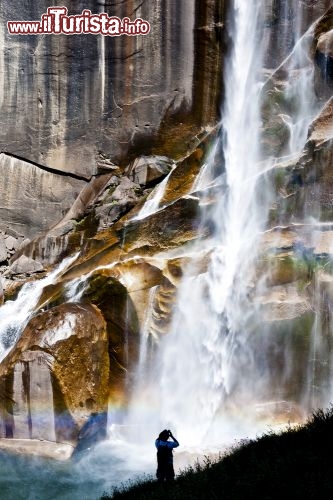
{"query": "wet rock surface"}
(37, 448)
(148, 169)
(93, 431)
(279, 17)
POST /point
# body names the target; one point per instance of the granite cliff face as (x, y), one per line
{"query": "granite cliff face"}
(84, 104)
(149, 108)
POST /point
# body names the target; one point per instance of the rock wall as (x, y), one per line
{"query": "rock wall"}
(33, 199)
(285, 20)
(82, 104)
(69, 102)
(296, 251)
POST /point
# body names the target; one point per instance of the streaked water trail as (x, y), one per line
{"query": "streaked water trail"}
(152, 204)
(14, 315)
(206, 382)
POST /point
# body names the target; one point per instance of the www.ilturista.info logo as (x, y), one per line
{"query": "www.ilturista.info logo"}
(57, 22)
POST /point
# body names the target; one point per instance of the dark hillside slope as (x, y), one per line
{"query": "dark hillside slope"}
(296, 464)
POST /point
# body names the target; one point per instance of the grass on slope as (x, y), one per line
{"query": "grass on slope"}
(296, 464)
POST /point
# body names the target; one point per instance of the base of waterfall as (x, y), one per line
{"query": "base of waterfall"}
(28, 470)
(37, 448)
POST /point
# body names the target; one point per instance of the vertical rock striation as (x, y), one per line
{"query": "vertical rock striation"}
(68, 101)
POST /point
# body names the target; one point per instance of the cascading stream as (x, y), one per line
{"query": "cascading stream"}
(14, 315)
(153, 201)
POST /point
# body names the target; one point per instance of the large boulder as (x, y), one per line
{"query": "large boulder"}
(148, 169)
(126, 191)
(25, 265)
(56, 376)
(177, 224)
(109, 202)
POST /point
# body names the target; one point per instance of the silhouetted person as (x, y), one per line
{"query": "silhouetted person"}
(164, 447)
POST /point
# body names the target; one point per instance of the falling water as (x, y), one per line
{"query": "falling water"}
(208, 376)
(210, 325)
(146, 336)
(96, 472)
(14, 315)
(152, 204)
(138, 425)
(299, 91)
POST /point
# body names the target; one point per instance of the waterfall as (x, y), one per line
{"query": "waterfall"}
(142, 393)
(299, 91)
(145, 336)
(196, 366)
(211, 372)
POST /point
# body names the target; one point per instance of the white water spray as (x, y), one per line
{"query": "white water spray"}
(14, 315)
(152, 204)
(196, 374)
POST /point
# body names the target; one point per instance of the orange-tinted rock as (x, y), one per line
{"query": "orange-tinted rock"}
(191, 265)
(175, 225)
(56, 375)
(122, 326)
